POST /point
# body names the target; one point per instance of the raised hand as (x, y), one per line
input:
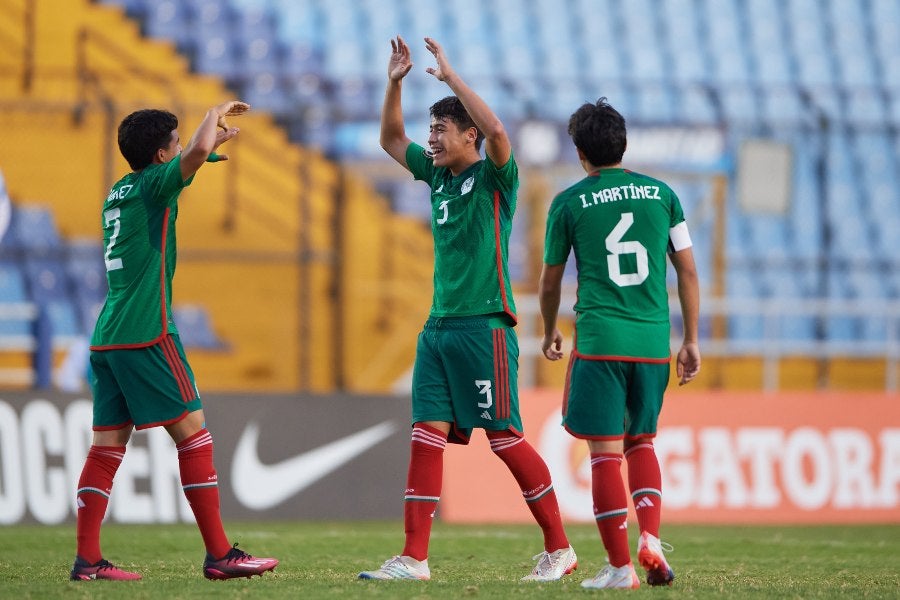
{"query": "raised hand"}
(401, 60)
(222, 136)
(232, 108)
(443, 70)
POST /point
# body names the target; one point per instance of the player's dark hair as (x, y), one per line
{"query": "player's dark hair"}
(598, 130)
(452, 109)
(142, 133)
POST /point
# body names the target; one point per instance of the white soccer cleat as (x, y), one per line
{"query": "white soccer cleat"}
(551, 566)
(611, 577)
(400, 567)
(650, 555)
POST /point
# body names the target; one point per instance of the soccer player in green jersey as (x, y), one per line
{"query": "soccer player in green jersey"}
(621, 226)
(467, 355)
(139, 375)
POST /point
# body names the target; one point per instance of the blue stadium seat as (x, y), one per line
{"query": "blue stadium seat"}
(215, 54)
(410, 198)
(864, 107)
(195, 328)
(787, 286)
(603, 58)
(86, 272)
(256, 55)
(13, 291)
(655, 104)
(768, 236)
(782, 106)
(32, 229)
(267, 91)
(740, 283)
(684, 46)
(354, 98)
(347, 59)
(300, 58)
(12, 282)
(137, 8)
(518, 60)
(885, 25)
(696, 106)
(739, 104)
(298, 23)
(166, 19)
(48, 288)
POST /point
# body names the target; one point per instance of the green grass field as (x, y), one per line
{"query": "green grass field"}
(321, 560)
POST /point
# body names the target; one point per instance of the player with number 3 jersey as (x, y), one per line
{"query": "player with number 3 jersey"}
(467, 354)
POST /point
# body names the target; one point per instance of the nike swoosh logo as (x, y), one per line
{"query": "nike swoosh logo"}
(260, 486)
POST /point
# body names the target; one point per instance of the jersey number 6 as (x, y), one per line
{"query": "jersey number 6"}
(617, 247)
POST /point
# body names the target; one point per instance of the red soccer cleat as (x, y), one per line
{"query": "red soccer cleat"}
(82, 570)
(236, 563)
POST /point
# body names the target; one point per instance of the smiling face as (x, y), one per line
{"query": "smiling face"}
(451, 146)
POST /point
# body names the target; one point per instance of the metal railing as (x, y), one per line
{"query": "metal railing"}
(772, 345)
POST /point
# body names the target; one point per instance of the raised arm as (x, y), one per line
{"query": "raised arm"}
(496, 141)
(393, 131)
(212, 132)
(687, 364)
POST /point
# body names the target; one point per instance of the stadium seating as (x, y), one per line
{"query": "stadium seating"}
(32, 231)
(13, 292)
(195, 328)
(33, 244)
(87, 277)
(820, 76)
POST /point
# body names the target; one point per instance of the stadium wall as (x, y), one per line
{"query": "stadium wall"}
(727, 458)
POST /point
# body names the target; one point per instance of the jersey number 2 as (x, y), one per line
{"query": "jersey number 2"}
(617, 247)
(111, 217)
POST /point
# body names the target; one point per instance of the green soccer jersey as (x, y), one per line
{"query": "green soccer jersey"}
(620, 225)
(471, 219)
(138, 220)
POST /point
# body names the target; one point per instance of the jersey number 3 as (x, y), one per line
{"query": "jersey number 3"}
(617, 247)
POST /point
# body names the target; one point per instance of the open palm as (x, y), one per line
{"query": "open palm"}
(401, 61)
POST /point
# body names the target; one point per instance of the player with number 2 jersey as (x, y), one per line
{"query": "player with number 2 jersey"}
(140, 377)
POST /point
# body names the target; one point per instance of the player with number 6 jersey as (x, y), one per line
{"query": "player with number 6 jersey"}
(622, 227)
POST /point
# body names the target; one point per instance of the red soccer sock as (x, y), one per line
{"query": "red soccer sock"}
(201, 487)
(611, 506)
(533, 477)
(645, 483)
(94, 488)
(423, 487)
